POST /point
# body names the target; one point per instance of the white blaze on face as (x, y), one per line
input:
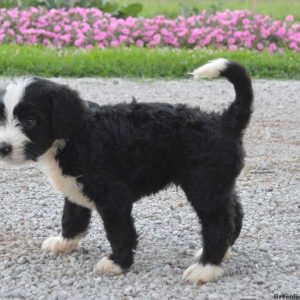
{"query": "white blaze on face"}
(10, 130)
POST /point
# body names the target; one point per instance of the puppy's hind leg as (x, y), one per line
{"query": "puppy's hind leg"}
(75, 221)
(115, 211)
(215, 213)
(237, 213)
(217, 230)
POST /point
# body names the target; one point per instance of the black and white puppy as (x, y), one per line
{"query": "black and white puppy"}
(107, 157)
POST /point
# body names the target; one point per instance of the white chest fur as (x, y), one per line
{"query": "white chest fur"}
(68, 185)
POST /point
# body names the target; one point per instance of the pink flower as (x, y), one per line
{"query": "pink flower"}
(46, 42)
(191, 40)
(272, 47)
(114, 43)
(33, 39)
(6, 24)
(101, 36)
(85, 27)
(237, 34)
(219, 38)
(33, 10)
(246, 21)
(155, 41)
(136, 33)
(265, 32)
(281, 32)
(248, 44)
(67, 28)
(123, 38)
(165, 32)
(289, 18)
(260, 46)
(157, 38)
(125, 31)
(149, 33)
(56, 28)
(113, 25)
(13, 13)
(19, 39)
(206, 41)
(294, 46)
(130, 21)
(231, 41)
(11, 32)
(139, 43)
(182, 33)
(66, 38)
(101, 45)
(79, 42)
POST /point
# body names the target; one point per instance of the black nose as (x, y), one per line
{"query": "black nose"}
(5, 149)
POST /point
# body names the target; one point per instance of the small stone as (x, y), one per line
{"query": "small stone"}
(128, 289)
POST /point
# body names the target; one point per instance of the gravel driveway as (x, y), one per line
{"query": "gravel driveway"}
(266, 257)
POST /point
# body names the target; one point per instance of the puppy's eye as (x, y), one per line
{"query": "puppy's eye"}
(29, 123)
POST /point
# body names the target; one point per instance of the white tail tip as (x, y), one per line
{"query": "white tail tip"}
(211, 70)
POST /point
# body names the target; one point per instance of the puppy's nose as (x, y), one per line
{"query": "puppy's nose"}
(5, 149)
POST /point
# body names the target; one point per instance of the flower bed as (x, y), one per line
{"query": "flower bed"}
(90, 27)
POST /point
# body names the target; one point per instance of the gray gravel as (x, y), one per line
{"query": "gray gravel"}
(266, 258)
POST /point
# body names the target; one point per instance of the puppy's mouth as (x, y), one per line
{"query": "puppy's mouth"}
(13, 161)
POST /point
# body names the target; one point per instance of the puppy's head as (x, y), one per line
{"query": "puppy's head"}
(35, 112)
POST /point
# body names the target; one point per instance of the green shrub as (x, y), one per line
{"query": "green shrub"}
(118, 10)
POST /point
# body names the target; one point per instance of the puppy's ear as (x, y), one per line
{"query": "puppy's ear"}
(67, 112)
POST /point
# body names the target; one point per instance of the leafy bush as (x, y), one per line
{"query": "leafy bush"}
(119, 11)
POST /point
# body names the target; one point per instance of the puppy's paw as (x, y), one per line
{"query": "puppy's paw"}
(225, 258)
(200, 274)
(107, 266)
(57, 244)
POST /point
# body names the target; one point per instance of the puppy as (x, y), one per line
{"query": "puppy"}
(107, 157)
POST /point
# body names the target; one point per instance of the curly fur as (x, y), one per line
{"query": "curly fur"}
(111, 156)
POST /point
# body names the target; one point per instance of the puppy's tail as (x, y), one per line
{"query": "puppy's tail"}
(236, 117)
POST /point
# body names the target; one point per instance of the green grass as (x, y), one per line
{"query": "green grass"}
(278, 9)
(136, 62)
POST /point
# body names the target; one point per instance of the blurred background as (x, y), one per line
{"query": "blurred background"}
(172, 8)
(157, 38)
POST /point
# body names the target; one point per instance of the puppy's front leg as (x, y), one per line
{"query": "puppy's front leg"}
(75, 221)
(120, 231)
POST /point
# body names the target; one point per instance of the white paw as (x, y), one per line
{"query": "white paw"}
(107, 266)
(58, 244)
(199, 273)
(225, 258)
